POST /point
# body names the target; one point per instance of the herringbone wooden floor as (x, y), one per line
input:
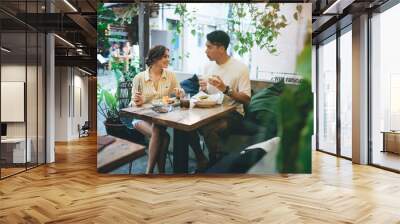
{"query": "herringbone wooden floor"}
(71, 191)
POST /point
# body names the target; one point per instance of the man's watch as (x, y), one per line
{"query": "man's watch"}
(228, 91)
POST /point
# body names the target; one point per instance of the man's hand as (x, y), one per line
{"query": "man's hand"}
(138, 99)
(217, 82)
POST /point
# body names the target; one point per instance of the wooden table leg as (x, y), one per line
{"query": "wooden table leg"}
(181, 149)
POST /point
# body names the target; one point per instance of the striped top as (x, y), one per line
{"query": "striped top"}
(142, 83)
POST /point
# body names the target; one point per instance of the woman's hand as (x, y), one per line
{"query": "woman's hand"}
(138, 99)
(179, 92)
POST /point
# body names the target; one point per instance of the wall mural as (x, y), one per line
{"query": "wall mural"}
(222, 88)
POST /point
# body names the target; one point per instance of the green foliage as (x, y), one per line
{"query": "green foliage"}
(107, 105)
(133, 69)
(304, 158)
(117, 67)
(295, 123)
(185, 17)
(303, 63)
(295, 129)
(121, 75)
(105, 16)
(126, 17)
(263, 30)
(180, 10)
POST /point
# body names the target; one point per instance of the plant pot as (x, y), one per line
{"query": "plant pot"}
(121, 131)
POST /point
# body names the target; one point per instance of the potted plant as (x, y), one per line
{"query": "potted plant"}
(108, 107)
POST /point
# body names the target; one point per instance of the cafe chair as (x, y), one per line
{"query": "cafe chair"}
(260, 120)
(84, 130)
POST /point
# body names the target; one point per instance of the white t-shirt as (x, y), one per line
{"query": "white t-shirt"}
(235, 74)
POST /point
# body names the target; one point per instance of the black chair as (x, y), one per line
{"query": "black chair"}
(84, 130)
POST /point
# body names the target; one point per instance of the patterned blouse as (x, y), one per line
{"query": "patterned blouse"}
(142, 83)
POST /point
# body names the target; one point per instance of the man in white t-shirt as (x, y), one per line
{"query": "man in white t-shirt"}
(229, 76)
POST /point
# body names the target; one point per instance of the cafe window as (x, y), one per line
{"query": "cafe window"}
(385, 89)
(22, 101)
(346, 93)
(327, 96)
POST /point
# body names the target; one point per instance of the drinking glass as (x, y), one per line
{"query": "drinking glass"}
(185, 101)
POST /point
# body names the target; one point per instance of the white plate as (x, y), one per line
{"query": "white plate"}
(205, 103)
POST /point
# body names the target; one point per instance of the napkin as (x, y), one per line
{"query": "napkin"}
(218, 97)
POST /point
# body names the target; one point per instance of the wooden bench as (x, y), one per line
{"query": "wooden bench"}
(116, 153)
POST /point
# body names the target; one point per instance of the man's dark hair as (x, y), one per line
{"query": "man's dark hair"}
(219, 38)
(155, 54)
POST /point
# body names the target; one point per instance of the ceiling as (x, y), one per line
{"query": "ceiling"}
(331, 15)
(72, 20)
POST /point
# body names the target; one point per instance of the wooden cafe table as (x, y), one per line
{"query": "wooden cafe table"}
(182, 121)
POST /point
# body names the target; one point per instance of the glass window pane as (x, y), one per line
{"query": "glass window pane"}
(22, 82)
(385, 89)
(327, 97)
(346, 94)
(13, 84)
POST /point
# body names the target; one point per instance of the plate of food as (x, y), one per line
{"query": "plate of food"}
(162, 105)
(205, 101)
(162, 108)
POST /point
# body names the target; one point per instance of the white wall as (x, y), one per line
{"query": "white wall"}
(16, 73)
(80, 115)
(71, 93)
(61, 103)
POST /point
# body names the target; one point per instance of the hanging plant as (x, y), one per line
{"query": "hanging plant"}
(185, 17)
(264, 28)
(127, 14)
(123, 73)
(105, 17)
